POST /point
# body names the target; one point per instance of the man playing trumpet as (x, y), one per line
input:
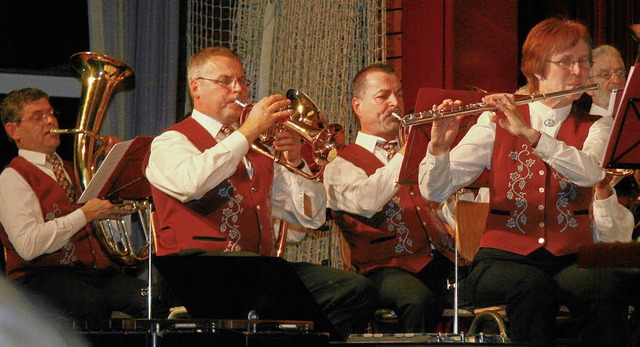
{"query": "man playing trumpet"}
(215, 196)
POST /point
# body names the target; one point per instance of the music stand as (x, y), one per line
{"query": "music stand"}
(121, 177)
(623, 149)
(419, 135)
(239, 286)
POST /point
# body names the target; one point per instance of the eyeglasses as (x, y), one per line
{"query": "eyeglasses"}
(608, 74)
(229, 82)
(41, 117)
(568, 64)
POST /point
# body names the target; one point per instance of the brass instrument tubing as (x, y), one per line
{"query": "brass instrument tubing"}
(58, 132)
(432, 115)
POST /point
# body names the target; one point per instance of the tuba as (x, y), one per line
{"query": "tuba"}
(100, 74)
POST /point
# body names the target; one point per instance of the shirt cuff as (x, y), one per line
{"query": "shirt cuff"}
(77, 219)
(603, 207)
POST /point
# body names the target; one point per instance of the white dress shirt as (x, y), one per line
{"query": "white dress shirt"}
(600, 111)
(440, 176)
(180, 170)
(349, 189)
(612, 221)
(21, 216)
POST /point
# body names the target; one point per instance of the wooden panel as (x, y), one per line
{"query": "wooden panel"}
(422, 58)
(391, 4)
(485, 39)
(394, 45)
(394, 21)
(397, 64)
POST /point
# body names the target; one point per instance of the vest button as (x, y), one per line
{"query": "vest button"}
(541, 240)
(412, 193)
(254, 189)
(417, 208)
(541, 224)
(541, 172)
(541, 189)
(540, 207)
(258, 207)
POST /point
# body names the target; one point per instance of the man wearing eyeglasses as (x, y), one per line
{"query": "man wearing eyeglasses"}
(50, 248)
(214, 196)
(609, 73)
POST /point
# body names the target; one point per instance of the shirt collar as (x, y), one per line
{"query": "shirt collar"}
(210, 124)
(368, 142)
(37, 158)
(554, 116)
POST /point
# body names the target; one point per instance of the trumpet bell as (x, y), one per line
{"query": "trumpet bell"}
(308, 122)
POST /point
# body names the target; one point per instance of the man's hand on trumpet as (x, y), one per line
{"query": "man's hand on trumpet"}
(509, 118)
(289, 143)
(264, 115)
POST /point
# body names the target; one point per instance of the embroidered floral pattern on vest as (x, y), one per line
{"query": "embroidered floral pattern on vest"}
(569, 192)
(69, 254)
(517, 186)
(395, 222)
(230, 217)
(51, 215)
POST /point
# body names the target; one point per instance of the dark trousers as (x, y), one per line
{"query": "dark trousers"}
(417, 298)
(533, 287)
(230, 284)
(347, 299)
(84, 293)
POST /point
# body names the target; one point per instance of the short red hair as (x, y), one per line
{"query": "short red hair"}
(547, 38)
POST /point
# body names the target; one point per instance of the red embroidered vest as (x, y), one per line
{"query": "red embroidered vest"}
(82, 249)
(396, 236)
(234, 216)
(532, 205)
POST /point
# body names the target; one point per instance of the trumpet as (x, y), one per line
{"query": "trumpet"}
(429, 116)
(308, 122)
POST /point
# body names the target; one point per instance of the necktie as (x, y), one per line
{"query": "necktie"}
(390, 147)
(58, 171)
(227, 130)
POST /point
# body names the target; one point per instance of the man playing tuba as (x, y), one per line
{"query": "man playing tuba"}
(49, 244)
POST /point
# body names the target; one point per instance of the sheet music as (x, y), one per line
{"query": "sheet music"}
(104, 171)
(623, 145)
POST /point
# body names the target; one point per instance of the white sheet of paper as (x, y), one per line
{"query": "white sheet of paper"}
(105, 170)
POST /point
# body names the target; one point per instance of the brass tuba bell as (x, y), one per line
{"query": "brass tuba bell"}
(100, 74)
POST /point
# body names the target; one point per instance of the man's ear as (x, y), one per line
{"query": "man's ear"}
(194, 89)
(355, 104)
(12, 130)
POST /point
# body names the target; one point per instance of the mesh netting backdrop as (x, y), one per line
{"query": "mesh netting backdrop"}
(315, 46)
